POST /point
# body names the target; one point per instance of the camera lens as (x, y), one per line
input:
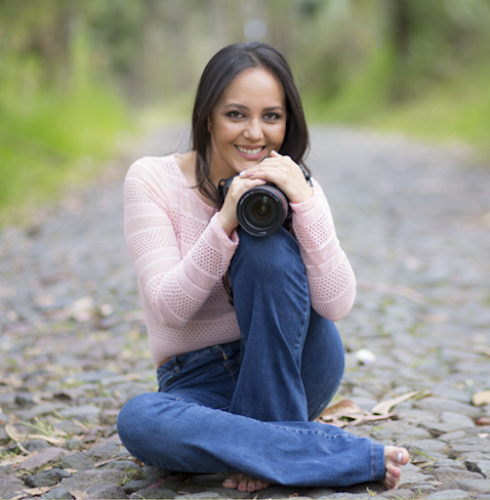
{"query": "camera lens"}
(262, 210)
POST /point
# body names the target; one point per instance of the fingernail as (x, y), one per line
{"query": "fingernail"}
(399, 457)
(242, 173)
(228, 480)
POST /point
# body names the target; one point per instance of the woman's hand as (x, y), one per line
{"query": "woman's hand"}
(227, 215)
(284, 173)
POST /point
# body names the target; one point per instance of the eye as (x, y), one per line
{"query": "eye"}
(234, 114)
(272, 116)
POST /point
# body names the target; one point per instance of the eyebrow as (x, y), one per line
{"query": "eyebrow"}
(241, 106)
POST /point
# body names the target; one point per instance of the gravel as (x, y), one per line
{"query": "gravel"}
(414, 220)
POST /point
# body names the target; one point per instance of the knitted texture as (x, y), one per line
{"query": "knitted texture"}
(180, 254)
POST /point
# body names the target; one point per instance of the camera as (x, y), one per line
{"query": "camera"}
(262, 210)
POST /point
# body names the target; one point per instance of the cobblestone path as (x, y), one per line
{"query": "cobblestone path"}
(415, 223)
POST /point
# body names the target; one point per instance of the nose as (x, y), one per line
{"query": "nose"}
(253, 131)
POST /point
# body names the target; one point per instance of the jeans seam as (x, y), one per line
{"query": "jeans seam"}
(314, 431)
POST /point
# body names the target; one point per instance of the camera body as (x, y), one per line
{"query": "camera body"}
(262, 210)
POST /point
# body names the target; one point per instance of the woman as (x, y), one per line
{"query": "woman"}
(240, 385)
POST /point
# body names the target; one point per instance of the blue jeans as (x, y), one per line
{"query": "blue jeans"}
(248, 406)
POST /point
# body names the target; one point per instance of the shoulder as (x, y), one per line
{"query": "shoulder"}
(154, 166)
(155, 179)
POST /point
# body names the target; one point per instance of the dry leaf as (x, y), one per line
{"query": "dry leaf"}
(12, 460)
(385, 407)
(37, 491)
(482, 421)
(24, 458)
(79, 495)
(350, 420)
(14, 434)
(347, 413)
(50, 439)
(342, 407)
(481, 398)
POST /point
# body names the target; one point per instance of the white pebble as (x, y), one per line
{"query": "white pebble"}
(365, 356)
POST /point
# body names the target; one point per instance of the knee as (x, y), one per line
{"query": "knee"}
(136, 418)
(267, 256)
(129, 418)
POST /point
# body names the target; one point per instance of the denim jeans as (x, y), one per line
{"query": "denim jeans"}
(248, 406)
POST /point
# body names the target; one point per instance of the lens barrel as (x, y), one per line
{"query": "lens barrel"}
(262, 210)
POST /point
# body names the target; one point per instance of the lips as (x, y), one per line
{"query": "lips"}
(250, 153)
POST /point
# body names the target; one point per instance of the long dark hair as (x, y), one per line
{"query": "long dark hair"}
(224, 66)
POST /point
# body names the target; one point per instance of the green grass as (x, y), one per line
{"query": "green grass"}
(49, 140)
(459, 110)
(454, 110)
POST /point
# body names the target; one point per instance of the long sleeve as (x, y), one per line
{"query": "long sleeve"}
(330, 276)
(173, 285)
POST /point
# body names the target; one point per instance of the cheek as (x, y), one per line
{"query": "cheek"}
(227, 134)
(279, 134)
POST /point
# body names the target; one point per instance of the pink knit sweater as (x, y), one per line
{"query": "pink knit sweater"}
(180, 254)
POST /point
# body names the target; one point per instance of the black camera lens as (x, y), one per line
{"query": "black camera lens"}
(262, 210)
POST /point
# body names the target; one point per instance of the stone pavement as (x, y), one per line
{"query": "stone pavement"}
(415, 223)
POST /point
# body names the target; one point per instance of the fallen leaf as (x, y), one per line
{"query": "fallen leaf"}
(14, 434)
(50, 439)
(79, 495)
(385, 407)
(482, 421)
(37, 491)
(423, 463)
(25, 458)
(342, 407)
(481, 398)
(12, 460)
(350, 420)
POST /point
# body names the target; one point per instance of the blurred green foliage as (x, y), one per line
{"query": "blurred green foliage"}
(59, 113)
(411, 65)
(74, 74)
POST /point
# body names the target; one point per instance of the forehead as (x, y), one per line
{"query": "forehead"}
(257, 84)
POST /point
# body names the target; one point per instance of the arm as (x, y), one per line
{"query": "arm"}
(330, 275)
(175, 287)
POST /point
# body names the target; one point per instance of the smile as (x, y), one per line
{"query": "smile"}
(249, 151)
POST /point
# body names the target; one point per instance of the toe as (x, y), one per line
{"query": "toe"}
(230, 482)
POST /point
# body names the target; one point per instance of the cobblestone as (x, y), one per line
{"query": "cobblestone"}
(415, 222)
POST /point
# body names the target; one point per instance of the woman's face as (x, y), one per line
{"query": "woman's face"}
(247, 123)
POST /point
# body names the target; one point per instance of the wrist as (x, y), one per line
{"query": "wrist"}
(227, 225)
(303, 196)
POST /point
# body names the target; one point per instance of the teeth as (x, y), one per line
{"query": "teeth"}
(249, 151)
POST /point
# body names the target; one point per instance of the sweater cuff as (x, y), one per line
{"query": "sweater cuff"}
(307, 205)
(219, 233)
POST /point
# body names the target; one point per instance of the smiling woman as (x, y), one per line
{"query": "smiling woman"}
(248, 122)
(255, 374)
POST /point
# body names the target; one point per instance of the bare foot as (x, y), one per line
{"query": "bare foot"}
(242, 482)
(394, 459)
